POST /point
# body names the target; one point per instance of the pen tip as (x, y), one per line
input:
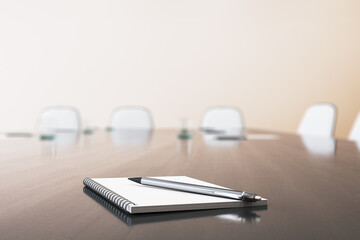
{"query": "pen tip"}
(257, 198)
(135, 179)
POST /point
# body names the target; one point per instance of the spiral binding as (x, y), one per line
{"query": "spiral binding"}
(109, 206)
(115, 198)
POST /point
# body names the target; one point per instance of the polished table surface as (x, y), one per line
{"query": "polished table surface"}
(312, 186)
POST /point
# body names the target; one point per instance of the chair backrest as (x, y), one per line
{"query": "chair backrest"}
(319, 120)
(223, 118)
(355, 131)
(59, 118)
(131, 118)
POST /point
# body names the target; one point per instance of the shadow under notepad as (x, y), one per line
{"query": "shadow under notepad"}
(239, 215)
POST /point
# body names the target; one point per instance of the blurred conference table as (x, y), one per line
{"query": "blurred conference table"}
(312, 186)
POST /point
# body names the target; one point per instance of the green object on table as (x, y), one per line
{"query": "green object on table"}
(184, 134)
(47, 137)
(109, 129)
(88, 131)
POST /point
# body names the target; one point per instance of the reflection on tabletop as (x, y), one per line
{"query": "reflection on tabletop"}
(66, 139)
(131, 137)
(262, 137)
(356, 143)
(324, 146)
(184, 146)
(233, 215)
(61, 141)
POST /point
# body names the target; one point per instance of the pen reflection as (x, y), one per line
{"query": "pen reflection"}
(233, 215)
(244, 217)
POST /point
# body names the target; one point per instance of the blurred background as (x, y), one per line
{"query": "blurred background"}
(272, 59)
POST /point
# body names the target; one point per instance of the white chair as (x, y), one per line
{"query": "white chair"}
(355, 131)
(59, 119)
(319, 120)
(137, 118)
(229, 119)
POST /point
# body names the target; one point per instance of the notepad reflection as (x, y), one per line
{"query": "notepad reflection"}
(243, 215)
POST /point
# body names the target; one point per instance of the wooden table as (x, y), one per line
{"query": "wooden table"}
(312, 186)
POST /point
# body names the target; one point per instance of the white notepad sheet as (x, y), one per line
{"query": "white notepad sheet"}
(154, 199)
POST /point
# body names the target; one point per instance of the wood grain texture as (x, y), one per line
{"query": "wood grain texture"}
(312, 194)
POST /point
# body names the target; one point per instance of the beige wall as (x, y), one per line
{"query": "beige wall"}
(270, 58)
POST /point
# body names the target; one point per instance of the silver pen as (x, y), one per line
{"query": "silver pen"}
(193, 188)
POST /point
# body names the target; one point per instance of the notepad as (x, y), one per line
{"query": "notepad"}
(136, 198)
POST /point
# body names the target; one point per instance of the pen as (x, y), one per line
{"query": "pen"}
(19, 134)
(193, 188)
(211, 130)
